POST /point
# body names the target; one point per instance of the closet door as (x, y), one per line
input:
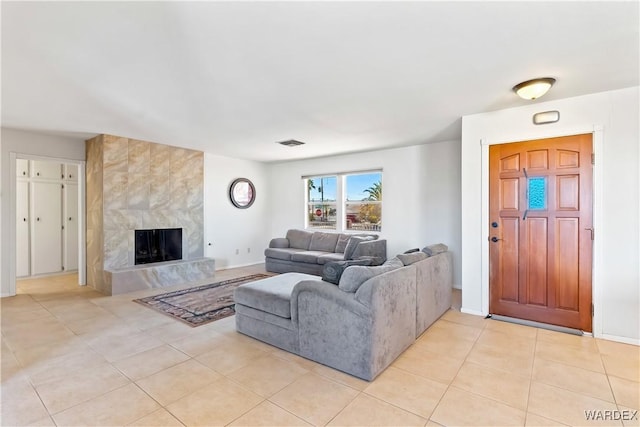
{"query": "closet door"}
(22, 168)
(22, 229)
(46, 170)
(70, 226)
(71, 172)
(46, 233)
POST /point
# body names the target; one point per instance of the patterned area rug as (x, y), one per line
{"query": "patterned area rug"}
(202, 304)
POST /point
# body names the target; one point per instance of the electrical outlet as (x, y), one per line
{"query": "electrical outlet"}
(237, 251)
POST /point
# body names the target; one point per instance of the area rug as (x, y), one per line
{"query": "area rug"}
(202, 304)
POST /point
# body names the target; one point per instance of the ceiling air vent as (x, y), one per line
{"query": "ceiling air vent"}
(291, 143)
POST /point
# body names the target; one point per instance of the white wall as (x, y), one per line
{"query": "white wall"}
(228, 228)
(33, 144)
(421, 187)
(613, 118)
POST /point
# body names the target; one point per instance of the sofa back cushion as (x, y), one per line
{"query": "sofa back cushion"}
(343, 239)
(436, 249)
(332, 271)
(395, 261)
(325, 242)
(410, 258)
(299, 239)
(353, 243)
(354, 276)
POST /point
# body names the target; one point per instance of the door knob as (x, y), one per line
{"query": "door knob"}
(495, 239)
(38, 219)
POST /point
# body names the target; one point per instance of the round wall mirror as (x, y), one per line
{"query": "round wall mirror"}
(242, 193)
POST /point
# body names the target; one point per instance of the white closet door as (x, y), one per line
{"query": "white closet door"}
(22, 229)
(46, 220)
(70, 226)
(22, 168)
(46, 170)
(71, 172)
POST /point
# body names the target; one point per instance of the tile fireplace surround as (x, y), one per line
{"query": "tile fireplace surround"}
(134, 184)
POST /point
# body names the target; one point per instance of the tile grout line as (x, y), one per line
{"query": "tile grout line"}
(457, 372)
(533, 363)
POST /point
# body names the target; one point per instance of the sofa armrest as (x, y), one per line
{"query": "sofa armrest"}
(376, 249)
(329, 295)
(279, 242)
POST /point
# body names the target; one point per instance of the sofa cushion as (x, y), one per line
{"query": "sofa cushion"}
(299, 239)
(410, 258)
(353, 243)
(271, 295)
(332, 271)
(436, 249)
(281, 253)
(395, 261)
(323, 259)
(325, 242)
(308, 257)
(354, 276)
(343, 239)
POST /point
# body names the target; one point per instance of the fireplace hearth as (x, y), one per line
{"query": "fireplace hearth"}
(158, 245)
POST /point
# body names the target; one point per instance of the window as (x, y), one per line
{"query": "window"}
(345, 202)
(321, 205)
(537, 193)
(363, 204)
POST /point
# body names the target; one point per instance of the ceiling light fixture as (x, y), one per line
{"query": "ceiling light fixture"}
(290, 143)
(533, 89)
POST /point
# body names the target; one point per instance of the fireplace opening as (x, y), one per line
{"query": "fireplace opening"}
(157, 245)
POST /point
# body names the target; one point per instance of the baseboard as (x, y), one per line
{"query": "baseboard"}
(474, 312)
(624, 340)
(229, 267)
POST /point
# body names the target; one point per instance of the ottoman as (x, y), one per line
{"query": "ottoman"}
(263, 310)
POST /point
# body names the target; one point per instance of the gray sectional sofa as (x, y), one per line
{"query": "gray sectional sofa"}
(305, 251)
(359, 326)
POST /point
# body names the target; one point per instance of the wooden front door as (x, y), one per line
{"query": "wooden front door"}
(541, 230)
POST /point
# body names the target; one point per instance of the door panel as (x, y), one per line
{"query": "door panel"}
(537, 268)
(71, 225)
(509, 260)
(509, 195)
(567, 262)
(22, 228)
(46, 236)
(46, 169)
(538, 159)
(540, 259)
(568, 193)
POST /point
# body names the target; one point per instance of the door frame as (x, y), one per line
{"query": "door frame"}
(598, 140)
(82, 250)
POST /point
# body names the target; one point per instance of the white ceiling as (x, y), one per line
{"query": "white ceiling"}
(232, 78)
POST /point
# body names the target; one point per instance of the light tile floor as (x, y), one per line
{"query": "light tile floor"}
(71, 356)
